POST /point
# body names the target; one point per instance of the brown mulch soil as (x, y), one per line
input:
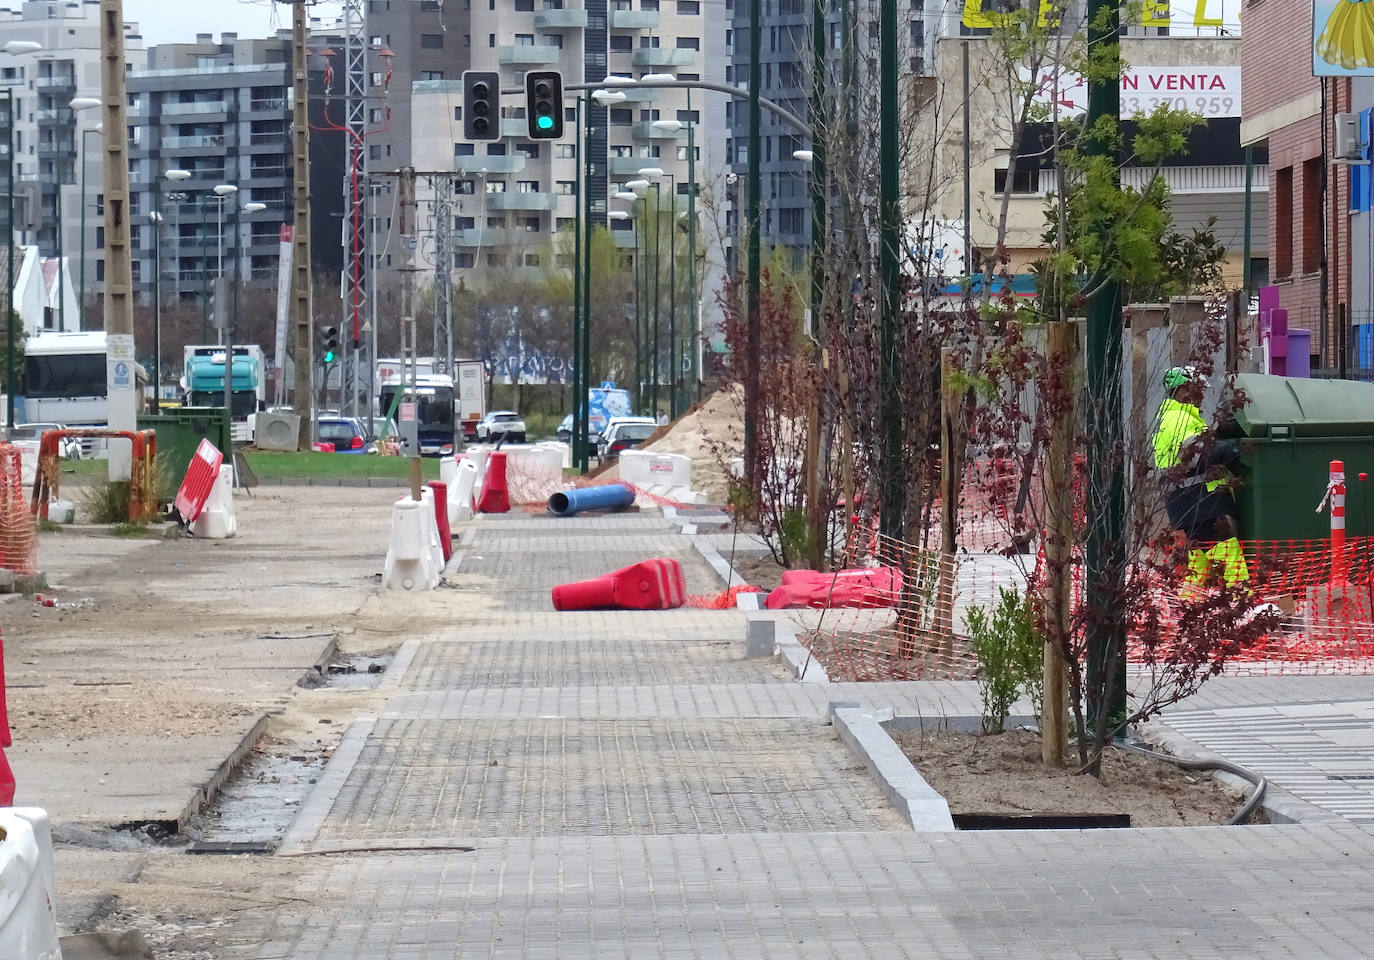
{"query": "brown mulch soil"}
(1003, 774)
(760, 570)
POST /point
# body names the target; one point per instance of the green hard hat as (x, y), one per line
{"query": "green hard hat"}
(1176, 377)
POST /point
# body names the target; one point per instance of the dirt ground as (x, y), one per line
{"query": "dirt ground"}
(1003, 774)
(759, 570)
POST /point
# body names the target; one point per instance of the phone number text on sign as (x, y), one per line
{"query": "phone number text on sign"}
(1209, 106)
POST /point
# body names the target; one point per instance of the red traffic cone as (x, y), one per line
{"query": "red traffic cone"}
(440, 490)
(655, 584)
(494, 498)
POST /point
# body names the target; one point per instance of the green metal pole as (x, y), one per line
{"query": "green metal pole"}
(674, 369)
(658, 269)
(81, 313)
(61, 271)
(692, 250)
(639, 311)
(10, 381)
(1249, 174)
(751, 361)
(579, 438)
(586, 198)
(889, 229)
(204, 277)
(1106, 505)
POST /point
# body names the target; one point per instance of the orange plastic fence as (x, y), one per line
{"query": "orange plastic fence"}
(18, 532)
(142, 471)
(1326, 626)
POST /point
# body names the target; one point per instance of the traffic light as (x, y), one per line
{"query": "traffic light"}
(544, 104)
(331, 343)
(481, 105)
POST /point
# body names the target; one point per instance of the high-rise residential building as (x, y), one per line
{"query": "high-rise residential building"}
(54, 157)
(217, 113)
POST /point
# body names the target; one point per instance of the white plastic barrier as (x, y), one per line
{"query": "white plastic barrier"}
(448, 469)
(28, 461)
(411, 560)
(217, 520)
(460, 492)
(667, 475)
(478, 455)
(533, 462)
(564, 451)
(28, 894)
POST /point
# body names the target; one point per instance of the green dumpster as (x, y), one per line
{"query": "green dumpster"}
(180, 432)
(1293, 428)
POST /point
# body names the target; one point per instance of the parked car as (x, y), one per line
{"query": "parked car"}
(69, 449)
(498, 425)
(348, 434)
(623, 436)
(565, 429)
(615, 422)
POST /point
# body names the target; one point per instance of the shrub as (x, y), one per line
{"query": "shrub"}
(1010, 657)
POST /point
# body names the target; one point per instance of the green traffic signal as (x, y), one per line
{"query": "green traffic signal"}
(546, 122)
(329, 357)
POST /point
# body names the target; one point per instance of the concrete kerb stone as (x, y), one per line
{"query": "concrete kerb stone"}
(400, 663)
(760, 637)
(315, 810)
(904, 787)
(207, 793)
(1279, 805)
(718, 563)
(796, 655)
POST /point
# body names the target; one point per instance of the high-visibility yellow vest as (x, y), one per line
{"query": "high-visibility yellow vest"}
(1178, 423)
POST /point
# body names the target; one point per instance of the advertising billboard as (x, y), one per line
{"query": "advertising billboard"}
(1342, 38)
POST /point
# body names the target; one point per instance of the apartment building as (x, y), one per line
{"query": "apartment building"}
(56, 153)
(220, 111)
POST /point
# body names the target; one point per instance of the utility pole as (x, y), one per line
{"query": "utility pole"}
(356, 279)
(410, 428)
(443, 271)
(119, 302)
(753, 225)
(303, 400)
(1106, 502)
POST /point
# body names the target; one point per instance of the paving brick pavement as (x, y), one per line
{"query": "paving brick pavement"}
(1267, 892)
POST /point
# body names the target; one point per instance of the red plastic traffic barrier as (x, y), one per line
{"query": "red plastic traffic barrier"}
(654, 584)
(441, 516)
(200, 480)
(495, 497)
(866, 587)
(6, 774)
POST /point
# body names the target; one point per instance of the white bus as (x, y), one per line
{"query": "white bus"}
(65, 381)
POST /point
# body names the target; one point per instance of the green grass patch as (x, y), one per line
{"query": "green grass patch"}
(48, 526)
(326, 466)
(129, 531)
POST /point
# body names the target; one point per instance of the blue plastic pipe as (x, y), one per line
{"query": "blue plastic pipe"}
(610, 497)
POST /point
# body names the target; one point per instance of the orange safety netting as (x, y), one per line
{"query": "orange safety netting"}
(18, 531)
(1325, 624)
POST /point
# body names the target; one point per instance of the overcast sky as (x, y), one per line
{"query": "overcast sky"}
(178, 21)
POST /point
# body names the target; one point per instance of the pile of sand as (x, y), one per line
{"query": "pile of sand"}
(715, 424)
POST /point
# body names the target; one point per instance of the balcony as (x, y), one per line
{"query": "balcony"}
(483, 237)
(61, 116)
(207, 142)
(515, 127)
(171, 109)
(628, 166)
(274, 105)
(512, 163)
(279, 138)
(560, 19)
(664, 57)
(634, 19)
(56, 82)
(267, 173)
(645, 130)
(53, 151)
(523, 201)
(528, 54)
(635, 93)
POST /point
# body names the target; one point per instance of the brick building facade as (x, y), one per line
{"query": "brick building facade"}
(1291, 112)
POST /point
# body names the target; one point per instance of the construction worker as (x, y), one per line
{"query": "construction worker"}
(1200, 509)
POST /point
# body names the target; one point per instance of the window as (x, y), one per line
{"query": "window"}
(689, 76)
(466, 187)
(570, 114)
(496, 259)
(565, 223)
(565, 188)
(648, 116)
(430, 75)
(688, 8)
(464, 223)
(467, 39)
(463, 149)
(554, 40)
(496, 149)
(622, 225)
(1283, 224)
(524, 39)
(682, 153)
(565, 151)
(621, 117)
(431, 41)
(622, 44)
(530, 225)
(1311, 216)
(689, 116)
(374, 152)
(491, 37)
(496, 186)
(428, 6)
(789, 220)
(531, 259)
(918, 33)
(496, 223)
(1024, 181)
(530, 151)
(464, 261)
(527, 186)
(524, 6)
(622, 151)
(789, 74)
(689, 43)
(648, 5)
(458, 114)
(648, 43)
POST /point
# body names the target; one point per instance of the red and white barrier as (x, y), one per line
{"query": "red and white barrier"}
(217, 520)
(666, 475)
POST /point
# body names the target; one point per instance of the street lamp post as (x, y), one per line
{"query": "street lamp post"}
(14, 48)
(637, 190)
(655, 174)
(85, 202)
(156, 217)
(224, 191)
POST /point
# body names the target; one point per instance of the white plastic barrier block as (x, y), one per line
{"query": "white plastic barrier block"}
(28, 461)
(564, 451)
(534, 462)
(217, 520)
(460, 492)
(28, 916)
(448, 469)
(477, 454)
(648, 470)
(436, 546)
(410, 558)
